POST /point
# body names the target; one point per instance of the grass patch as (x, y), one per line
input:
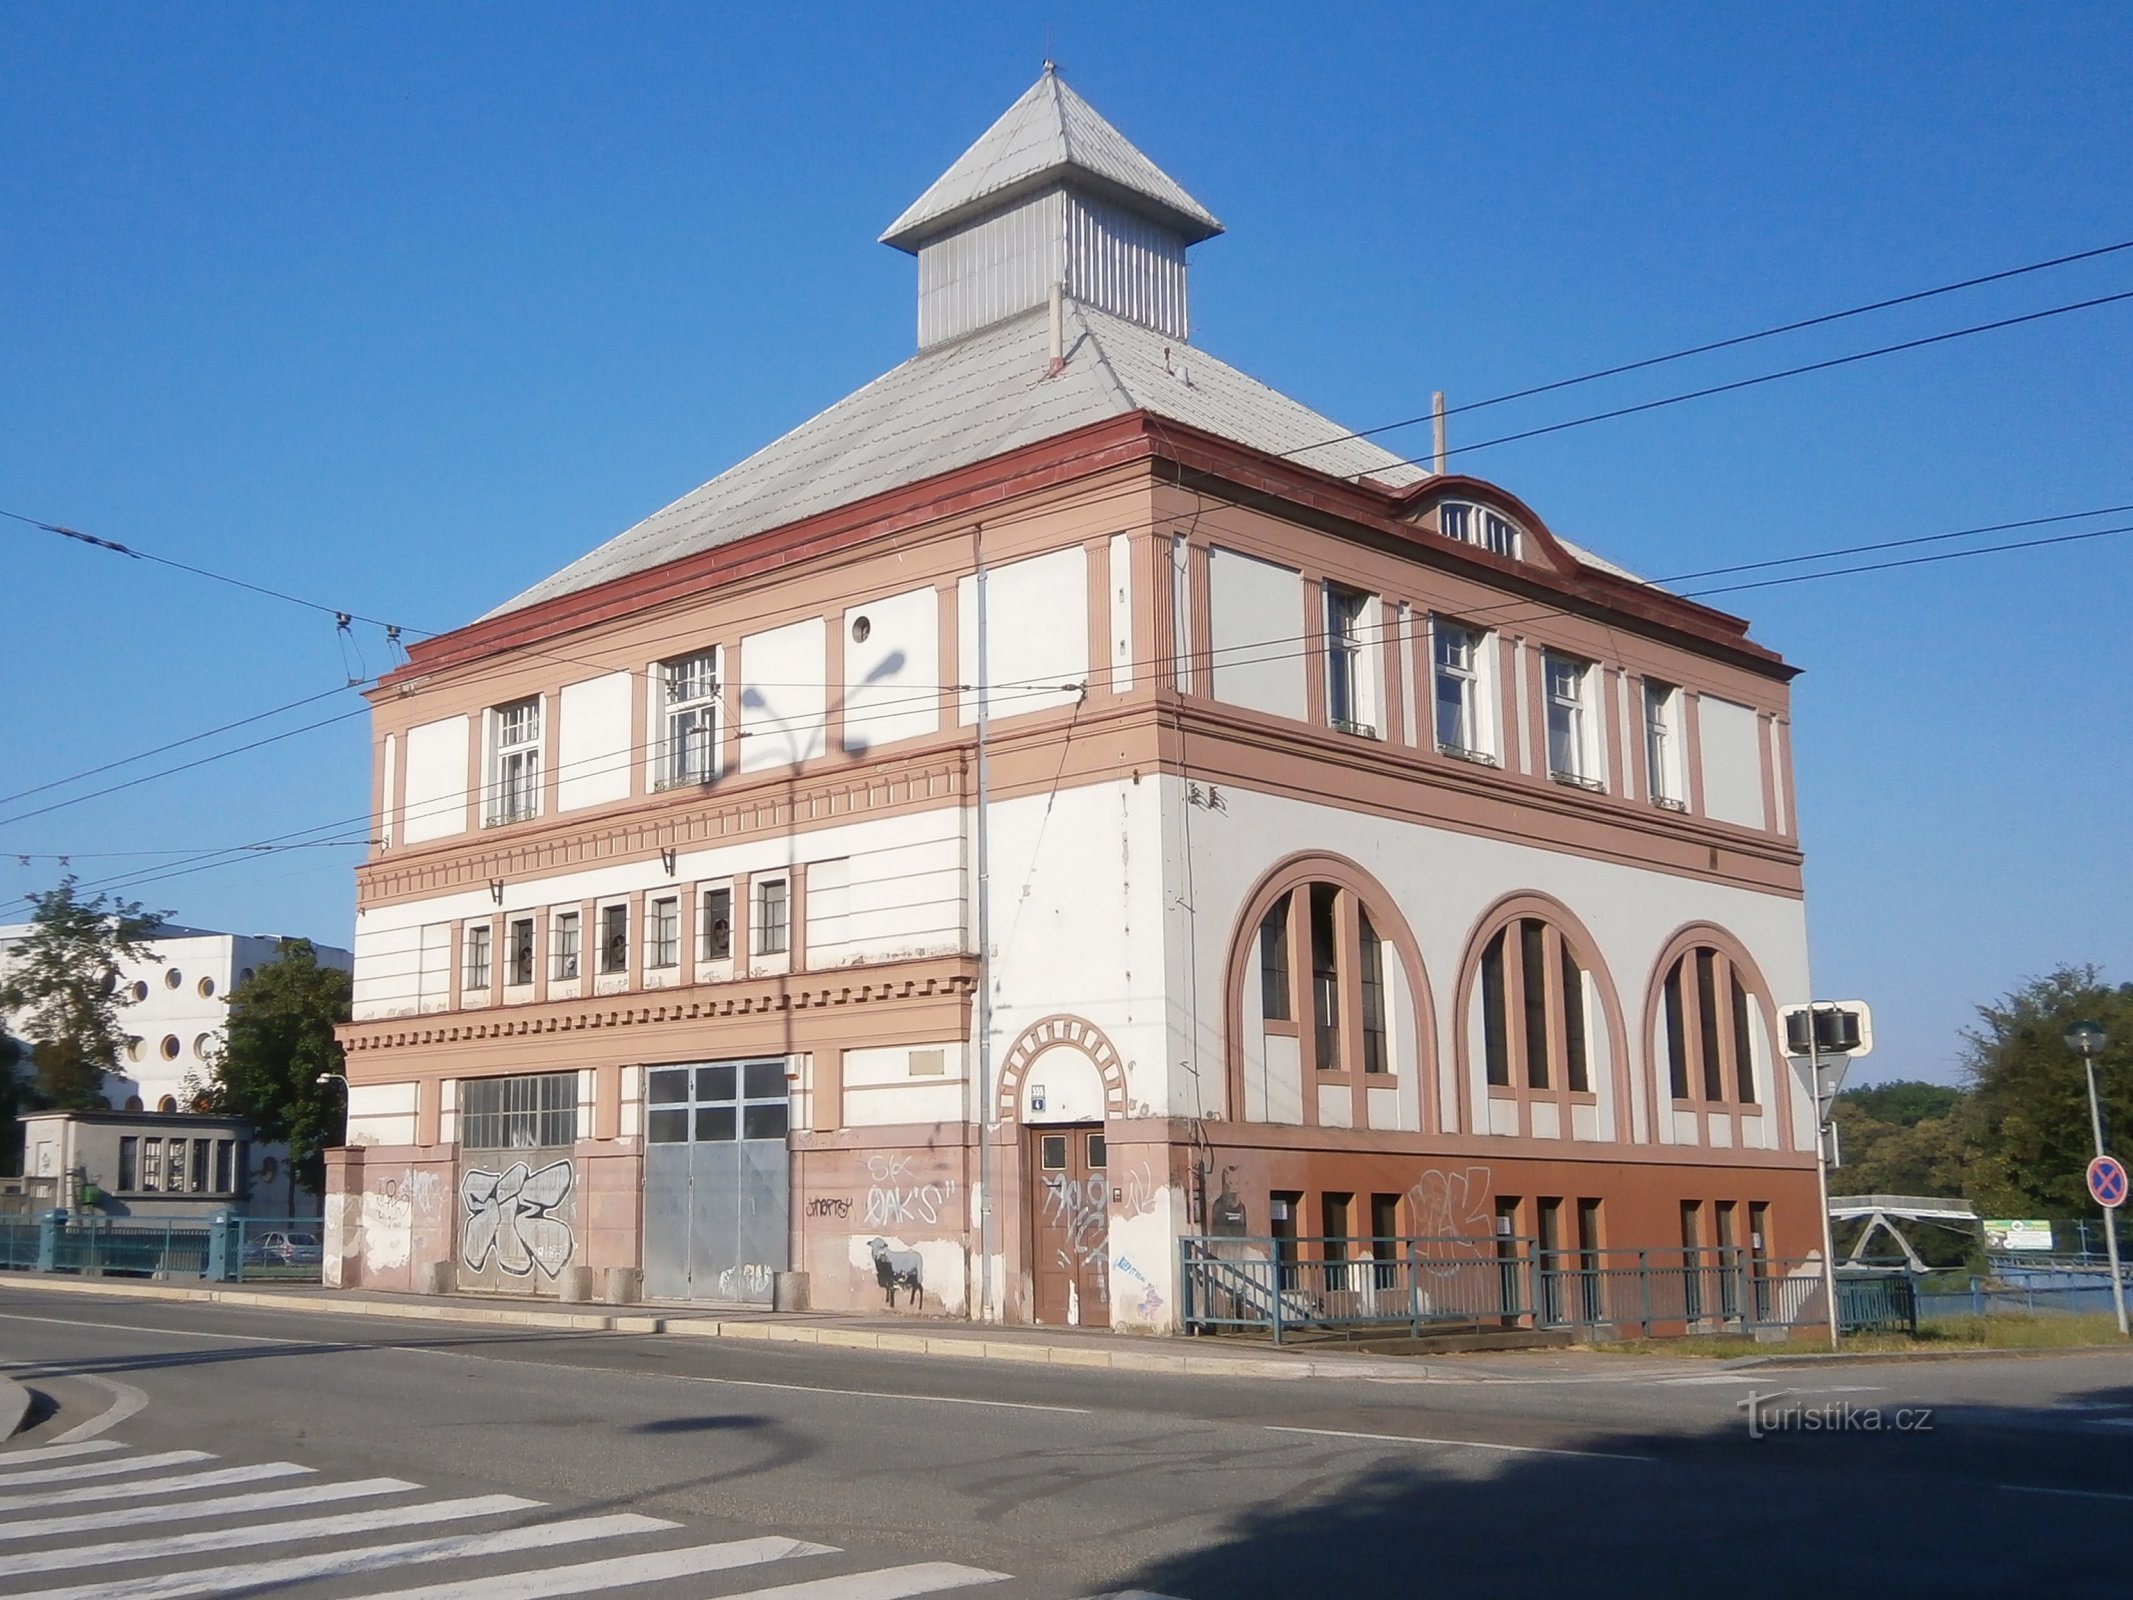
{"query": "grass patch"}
(1993, 1331)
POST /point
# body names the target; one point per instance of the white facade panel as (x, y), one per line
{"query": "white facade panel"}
(784, 707)
(592, 762)
(1037, 633)
(892, 675)
(1732, 763)
(436, 785)
(1255, 610)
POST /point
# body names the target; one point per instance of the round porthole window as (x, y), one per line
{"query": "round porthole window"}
(171, 1047)
(111, 983)
(245, 976)
(202, 1044)
(140, 991)
(133, 1049)
(167, 1104)
(861, 629)
(207, 988)
(173, 978)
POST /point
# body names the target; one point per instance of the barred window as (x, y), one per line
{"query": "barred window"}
(539, 1110)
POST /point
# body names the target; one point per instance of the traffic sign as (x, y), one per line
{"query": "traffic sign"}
(2107, 1182)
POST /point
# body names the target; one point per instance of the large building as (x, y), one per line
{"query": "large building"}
(1063, 798)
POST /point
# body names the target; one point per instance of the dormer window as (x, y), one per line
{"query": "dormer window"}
(1479, 526)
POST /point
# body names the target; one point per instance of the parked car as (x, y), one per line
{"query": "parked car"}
(283, 1248)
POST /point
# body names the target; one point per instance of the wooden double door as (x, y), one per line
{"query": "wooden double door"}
(1070, 1224)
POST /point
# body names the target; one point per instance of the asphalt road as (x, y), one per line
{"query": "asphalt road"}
(364, 1457)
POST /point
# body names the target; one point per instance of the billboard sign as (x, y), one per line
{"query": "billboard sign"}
(2004, 1234)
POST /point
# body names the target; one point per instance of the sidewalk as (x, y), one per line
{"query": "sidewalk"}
(1057, 1347)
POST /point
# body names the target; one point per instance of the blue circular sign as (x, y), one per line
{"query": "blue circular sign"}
(2107, 1181)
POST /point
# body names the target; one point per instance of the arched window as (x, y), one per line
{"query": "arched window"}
(1344, 972)
(1707, 1030)
(1535, 1026)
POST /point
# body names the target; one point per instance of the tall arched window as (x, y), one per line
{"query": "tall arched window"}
(1535, 1022)
(1707, 1030)
(1542, 1049)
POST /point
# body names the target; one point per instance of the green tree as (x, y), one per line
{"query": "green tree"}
(1902, 1102)
(279, 1040)
(62, 991)
(2027, 1116)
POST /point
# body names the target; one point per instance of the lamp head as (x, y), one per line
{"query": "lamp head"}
(2086, 1039)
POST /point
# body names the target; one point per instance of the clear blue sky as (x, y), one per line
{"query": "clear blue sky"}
(402, 307)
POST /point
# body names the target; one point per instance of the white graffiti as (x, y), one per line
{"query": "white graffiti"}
(747, 1282)
(1077, 1207)
(1452, 1214)
(884, 1166)
(922, 1203)
(510, 1215)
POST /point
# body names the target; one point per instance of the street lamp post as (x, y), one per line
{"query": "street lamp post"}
(2087, 1040)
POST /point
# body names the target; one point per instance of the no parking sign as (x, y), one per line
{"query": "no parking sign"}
(2107, 1181)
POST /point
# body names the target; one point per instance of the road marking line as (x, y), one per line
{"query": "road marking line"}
(106, 1469)
(889, 1583)
(126, 1400)
(860, 1394)
(1458, 1444)
(186, 1544)
(54, 1452)
(134, 1327)
(119, 1491)
(588, 1576)
(191, 1510)
(356, 1563)
(2071, 1494)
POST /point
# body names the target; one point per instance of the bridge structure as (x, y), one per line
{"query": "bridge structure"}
(1883, 1211)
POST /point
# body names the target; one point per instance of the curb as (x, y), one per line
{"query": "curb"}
(762, 1332)
(14, 1406)
(1856, 1358)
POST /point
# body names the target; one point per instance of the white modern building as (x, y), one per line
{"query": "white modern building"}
(1064, 798)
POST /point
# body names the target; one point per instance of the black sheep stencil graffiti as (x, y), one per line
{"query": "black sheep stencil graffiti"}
(897, 1269)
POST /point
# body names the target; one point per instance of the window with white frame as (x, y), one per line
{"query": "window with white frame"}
(715, 931)
(1662, 745)
(480, 936)
(515, 761)
(662, 933)
(563, 943)
(521, 934)
(614, 939)
(773, 916)
(1480, 527)
(690, 728)
(1347, 678)
(1567, 684)
(1462, 709)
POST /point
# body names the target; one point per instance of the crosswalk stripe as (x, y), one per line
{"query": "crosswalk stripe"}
(255, 1575)
(886, 1583)
(228, 1505)
(106, 1469)
(188, 1544)
(588, 1576)
(54, 1452)
(116, 1491)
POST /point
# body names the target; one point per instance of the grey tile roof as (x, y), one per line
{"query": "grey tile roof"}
(1048, 134)
(963, 401)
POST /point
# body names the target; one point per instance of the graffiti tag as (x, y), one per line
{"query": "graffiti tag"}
(919, 1203)
(510, 1215)
(830, 1205)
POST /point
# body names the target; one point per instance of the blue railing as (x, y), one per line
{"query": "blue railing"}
(223, 1248)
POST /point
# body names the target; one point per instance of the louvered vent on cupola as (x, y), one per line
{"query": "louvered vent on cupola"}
(1050, 193)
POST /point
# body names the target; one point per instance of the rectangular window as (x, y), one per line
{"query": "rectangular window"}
(536, 1111)
(1533, 973)
(1662, 744)
(715, 936)
(1577, 1068)
(1325, 979)
(515, 761)
(1677, 1036)
(773, 929)
(663, 933)
(225, 1180)
(1568, 683)
(1334, 1210)
(1281, 1208)
(129, 1165)
(1461, 728)
(202, 1153)
(152, 1165)
(564, 943)
(614, 939)
(1692, 1259)
(692, 707)
(1743, 1045)
(174, 1165)
(521, 950)
(1495, 1040)
(1592, 1287)
(1372, 952)
(1347, 707)
(1385, 1238)
(480, 936)
(1274, 963)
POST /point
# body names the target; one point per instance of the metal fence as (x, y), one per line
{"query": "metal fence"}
(224, 1248)
(1286, 1286)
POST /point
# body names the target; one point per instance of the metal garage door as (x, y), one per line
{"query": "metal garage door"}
(716, 1186)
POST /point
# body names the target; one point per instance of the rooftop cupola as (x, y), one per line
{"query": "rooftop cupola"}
(1050, 194)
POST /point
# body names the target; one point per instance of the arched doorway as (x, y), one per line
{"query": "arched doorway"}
(1060, 1083)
